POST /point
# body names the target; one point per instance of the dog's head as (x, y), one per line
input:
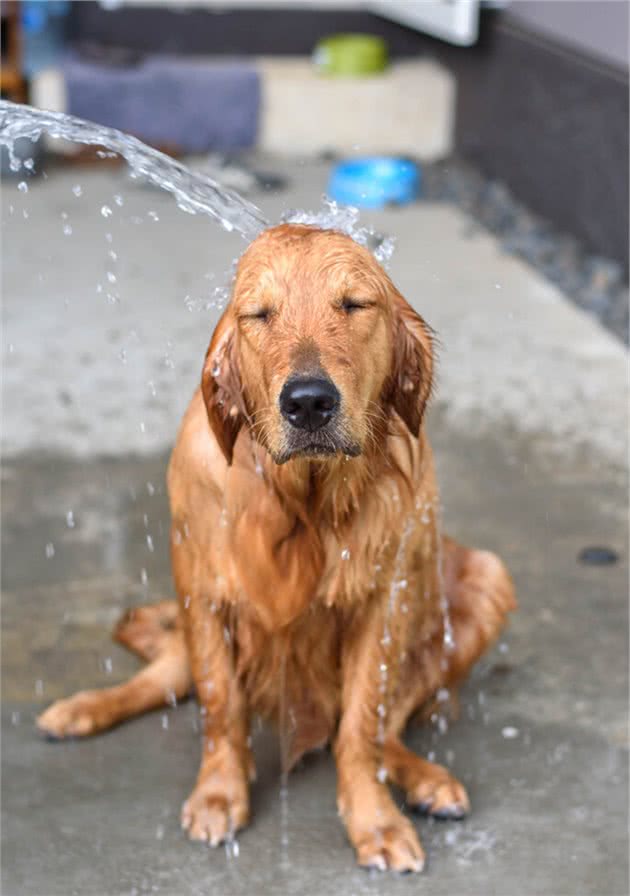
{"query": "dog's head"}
(315, 349)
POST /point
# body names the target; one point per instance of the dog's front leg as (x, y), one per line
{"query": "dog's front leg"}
(219, 803)
(382, 837)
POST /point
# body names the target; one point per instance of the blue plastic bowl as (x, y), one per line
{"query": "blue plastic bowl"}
(374, 182)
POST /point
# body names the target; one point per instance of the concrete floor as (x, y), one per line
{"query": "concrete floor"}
(530, 435)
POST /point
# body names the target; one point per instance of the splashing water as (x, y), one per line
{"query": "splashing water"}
(345, 219)
(193, 191)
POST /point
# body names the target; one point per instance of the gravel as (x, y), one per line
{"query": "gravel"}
(594, 283)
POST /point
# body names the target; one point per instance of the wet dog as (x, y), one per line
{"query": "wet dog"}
(314, 585)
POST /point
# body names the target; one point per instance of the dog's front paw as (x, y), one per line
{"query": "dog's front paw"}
(85, 713)
(393, 846)
(438, 793)
(214, 813)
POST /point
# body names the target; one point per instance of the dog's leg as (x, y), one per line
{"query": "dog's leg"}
(428, 787)
(165, 679)
(219, 803)
(480, 594)
(381, 835)
(147, 630)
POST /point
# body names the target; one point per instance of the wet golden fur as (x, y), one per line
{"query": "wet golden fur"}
(309, 575)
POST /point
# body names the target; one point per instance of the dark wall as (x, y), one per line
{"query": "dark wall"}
(553, 124)
(239, 31)
(545, 118)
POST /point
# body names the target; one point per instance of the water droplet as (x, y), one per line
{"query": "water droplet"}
(144, 578)
(106, 211)
(345, 554)
(150, 488)
(153, 215)
(50, 550)
(150, 543)
(23, 186)
(67, 229)
(159, 832)
(111, 277)
(70, 522)
(107, 665)
(77, 190)
(381, 774)
(164, 720)
(39, 687)
(118, 199)
(510, 732)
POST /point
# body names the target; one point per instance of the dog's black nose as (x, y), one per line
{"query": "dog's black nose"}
(309, 402)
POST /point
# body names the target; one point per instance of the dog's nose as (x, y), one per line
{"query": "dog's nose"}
(309, 402)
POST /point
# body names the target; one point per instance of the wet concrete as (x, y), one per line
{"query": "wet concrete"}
(530, 430)
(541, 743)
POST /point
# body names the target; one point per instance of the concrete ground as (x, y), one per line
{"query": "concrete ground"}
(530, 432)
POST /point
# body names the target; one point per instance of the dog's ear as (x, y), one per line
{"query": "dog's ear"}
(222, 388)
(411, 380)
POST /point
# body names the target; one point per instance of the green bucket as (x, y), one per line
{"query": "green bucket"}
(351, 54)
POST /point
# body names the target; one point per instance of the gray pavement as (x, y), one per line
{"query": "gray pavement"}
(530, 432)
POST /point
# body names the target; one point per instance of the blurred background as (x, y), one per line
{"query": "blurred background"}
(532, 94)
(490, 141)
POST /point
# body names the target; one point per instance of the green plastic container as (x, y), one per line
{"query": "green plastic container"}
(351, 54)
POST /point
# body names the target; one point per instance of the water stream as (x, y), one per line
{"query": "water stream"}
(194, 192)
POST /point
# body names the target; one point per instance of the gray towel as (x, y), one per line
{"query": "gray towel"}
(194, 105)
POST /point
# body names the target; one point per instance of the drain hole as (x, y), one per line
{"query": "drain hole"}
(598, 556)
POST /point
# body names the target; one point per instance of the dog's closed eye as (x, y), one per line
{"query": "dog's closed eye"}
(261, 314)
(350, 305)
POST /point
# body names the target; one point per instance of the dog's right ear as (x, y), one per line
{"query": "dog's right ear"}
(222, 388)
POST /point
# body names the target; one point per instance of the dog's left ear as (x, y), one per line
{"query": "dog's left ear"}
(411, 380)
(222, 388)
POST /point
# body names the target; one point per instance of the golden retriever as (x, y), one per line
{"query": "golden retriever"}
(314, 584)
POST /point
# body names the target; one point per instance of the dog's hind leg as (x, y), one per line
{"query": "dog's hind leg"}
(480, 594)
(153, 633)
(146, 631)
(428, 787)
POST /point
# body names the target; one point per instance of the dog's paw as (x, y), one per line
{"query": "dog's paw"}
(440, 794)
(393, 847)
(85, 713)
(213, 817)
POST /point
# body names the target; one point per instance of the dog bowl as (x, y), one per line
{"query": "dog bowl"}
(351, 54)
(374, 182)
